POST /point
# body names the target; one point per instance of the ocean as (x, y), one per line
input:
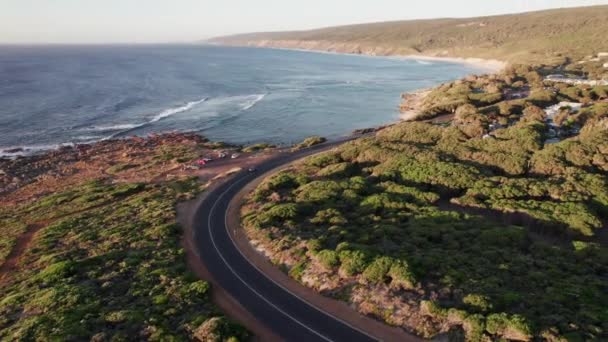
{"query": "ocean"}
(55, 95)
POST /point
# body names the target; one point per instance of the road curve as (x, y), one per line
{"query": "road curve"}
(286, 314)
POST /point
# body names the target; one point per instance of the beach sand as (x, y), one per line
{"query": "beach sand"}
(489, 65)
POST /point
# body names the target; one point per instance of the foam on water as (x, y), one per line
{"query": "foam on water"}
(257, 98)
(124, 128)
(118, 127)
(15, 151)
(176, 110)
(301, 94)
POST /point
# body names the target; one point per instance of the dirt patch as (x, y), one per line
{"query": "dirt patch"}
(11, 263)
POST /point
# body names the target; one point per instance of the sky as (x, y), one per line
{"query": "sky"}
(161, 21)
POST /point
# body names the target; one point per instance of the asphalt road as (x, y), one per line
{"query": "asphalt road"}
(287, 315)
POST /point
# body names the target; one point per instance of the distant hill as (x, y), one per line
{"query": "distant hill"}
(540, 37)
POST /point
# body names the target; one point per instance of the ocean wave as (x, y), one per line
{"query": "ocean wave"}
(120, 129)
(176, 110)
(92, 134)
(117, 127)
(86, 138)
(256, 98)
(423, 62)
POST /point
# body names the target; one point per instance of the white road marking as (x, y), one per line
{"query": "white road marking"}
(264, 274)
(239, 277)
(293, 294)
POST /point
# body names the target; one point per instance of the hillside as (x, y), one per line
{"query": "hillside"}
(529, 37)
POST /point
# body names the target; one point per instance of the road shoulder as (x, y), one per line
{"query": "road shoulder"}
(331, 306)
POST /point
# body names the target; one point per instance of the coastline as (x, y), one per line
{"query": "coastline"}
(410, 104)
(490, 65)
(487, 65)
(12, 152)
(411, 101)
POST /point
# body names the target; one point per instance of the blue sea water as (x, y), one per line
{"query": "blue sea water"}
(52, 95)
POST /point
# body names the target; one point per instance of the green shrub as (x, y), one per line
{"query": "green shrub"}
(337, 170)
(324, 159)
(328, 258)
(478, 302)
(278, 213)
(329, 216)
(198, 288)
(474, 327)
(401, 275)
(514, 327)
(257, 147)
(318, 191)
(297, 270)
(433, 309)
(310, 141)
(541, 98)
(352, 262)
(57, 271)
(377, 270)
(485, 99)
(117, 316)
(313, 245)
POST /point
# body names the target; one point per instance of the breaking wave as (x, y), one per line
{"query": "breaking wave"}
(118, 127)
(176, 110)
(26, 150)
(256, 98)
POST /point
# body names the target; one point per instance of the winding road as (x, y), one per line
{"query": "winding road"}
(284, 312)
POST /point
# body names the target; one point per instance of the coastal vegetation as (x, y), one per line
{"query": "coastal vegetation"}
(310, 141)
(487, 221)
(538, 37)
(99, 257)
(504, 97)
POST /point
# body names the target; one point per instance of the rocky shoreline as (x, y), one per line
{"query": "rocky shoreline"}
(134, 159)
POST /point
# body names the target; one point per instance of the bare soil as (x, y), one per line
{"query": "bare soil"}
(12, 262)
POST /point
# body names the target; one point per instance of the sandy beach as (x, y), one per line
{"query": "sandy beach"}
(490, 65)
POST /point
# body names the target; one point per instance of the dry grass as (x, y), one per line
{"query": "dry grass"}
(528, 37)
